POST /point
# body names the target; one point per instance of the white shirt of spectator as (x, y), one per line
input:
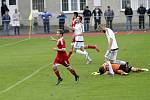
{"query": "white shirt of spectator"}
(111, 34)
(78, 30)
(16, 19)
(35, 13)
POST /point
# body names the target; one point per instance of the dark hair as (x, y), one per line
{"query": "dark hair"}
(76, 13)
(80, 17)
(101, 70)
(60, 31)
(104, 31)
(108, 6)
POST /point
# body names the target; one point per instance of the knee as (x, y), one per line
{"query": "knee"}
(54, 67)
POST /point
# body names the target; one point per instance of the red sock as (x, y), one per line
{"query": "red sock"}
(91, 46)
(57, 73)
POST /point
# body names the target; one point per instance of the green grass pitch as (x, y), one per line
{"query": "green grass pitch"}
(26, 73)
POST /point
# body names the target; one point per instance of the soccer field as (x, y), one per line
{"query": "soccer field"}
(26, 71)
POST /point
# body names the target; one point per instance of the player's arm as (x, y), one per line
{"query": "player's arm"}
(53, 39)
(121, 72)
(110, 42)
(57, 49)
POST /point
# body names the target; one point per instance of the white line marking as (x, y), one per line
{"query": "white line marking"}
(24, 79)
(9, 44)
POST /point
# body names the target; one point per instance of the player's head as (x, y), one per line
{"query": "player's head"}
(103, 68)
(60, 32)
(75, 14)
(79, 19)
(102, 28)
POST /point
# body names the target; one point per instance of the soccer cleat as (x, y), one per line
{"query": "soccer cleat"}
(59, 80)
(77, 78)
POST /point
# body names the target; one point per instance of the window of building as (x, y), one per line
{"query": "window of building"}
(38, 4)
(72, 5)
(134, 4)
(12, 2)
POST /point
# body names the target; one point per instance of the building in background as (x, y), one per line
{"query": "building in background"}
(69, 6)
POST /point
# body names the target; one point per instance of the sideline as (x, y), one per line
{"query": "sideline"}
(9, 44)
(24, 79)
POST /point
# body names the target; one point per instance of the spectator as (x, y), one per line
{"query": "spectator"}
(86, 14)
(35, 15)
(109, 15)
(128, 13)
(61, 18)
(97, 16)
(141, 11)
(46, 17)
(6, 20)
(4, 8)
(148, 12)
(16, 22)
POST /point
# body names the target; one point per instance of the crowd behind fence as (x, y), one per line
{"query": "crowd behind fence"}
(118, 24)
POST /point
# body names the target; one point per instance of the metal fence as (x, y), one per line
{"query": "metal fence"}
(118, 24)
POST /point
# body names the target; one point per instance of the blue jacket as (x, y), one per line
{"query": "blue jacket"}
(62, 18)
(45, 16)
(6, 19)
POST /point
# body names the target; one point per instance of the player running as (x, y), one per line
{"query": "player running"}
(79, 40)
(74, 21)
(62, 57)
(121, 69)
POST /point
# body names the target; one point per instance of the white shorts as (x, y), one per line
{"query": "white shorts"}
(78, 45)
(111, 55)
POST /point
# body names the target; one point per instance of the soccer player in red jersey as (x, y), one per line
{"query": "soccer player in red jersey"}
(74, 22)
(62, 57)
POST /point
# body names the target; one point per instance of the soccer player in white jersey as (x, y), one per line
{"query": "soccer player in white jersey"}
(79, 40)
(112, 49)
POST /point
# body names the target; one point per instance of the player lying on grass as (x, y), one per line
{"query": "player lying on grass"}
(121, 69)
(62, 57)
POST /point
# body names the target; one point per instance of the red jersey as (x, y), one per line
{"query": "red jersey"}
(61, 44)
(73, 23)
(62, 57)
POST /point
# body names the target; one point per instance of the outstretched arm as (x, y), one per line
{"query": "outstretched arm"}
(53, 39)
(121, 72)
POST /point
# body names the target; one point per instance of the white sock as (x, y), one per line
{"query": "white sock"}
(81, 52)
(110, 68)
(87, 56)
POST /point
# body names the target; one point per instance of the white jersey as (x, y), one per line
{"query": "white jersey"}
(110, 35)
(16, 19)
(78, 30)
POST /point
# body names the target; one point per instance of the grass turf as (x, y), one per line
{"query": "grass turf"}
(18, 61)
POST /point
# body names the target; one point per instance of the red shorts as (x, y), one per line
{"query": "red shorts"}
(62, 60)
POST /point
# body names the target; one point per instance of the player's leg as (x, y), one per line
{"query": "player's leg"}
(72, 71)
(138, 69)
(56, 71)
(72, 46)
(109, 58)
(92, 47)
(71, 50)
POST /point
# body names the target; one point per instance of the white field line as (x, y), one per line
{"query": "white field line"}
(24, 79)
(9, 44)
